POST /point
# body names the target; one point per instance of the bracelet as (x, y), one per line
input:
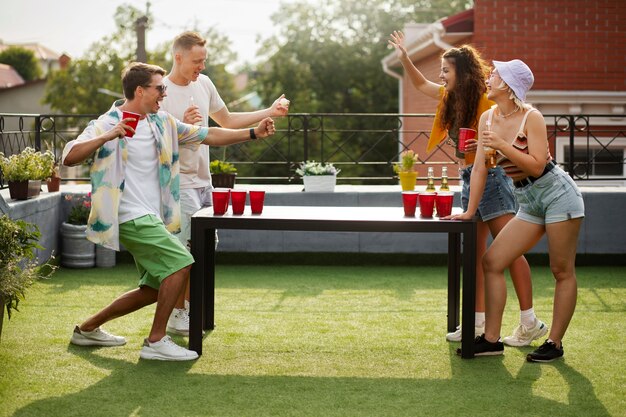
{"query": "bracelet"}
(252, 135)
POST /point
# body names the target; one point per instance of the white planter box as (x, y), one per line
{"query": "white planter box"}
(319, 183)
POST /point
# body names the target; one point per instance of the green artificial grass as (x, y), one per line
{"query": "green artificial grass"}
(311, 341)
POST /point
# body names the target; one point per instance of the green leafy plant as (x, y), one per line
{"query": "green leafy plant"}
(81, 207)
(27, 165)
(316, 168)
(18, 264)
(408, 159)
(220, 167)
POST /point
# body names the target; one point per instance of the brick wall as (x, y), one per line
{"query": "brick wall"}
(569, 44)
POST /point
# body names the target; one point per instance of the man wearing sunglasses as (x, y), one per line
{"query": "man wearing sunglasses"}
(193, 98)
(135, 202)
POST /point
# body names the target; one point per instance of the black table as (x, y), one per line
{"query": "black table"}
(331, 219)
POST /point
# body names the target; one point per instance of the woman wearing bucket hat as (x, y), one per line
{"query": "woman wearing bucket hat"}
(549, 203)
(462, 99)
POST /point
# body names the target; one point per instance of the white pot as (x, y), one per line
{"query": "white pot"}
(319, 183)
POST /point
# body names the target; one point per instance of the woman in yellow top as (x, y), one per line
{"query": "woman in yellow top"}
(462, 99)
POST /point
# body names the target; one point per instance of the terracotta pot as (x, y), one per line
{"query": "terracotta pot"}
(23, 190)
(54, 184)
(223, 180)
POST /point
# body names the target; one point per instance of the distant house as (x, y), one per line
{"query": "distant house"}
(577, 51)
(48, 59)
(9, 77)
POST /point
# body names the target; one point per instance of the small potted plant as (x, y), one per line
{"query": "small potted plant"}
(25, 171)
(406, 170)
(54, 182)
(77, 251)
(223, 174)
(318, 177)
(18, 265)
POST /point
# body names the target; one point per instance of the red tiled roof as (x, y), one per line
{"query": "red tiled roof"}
(9, 77)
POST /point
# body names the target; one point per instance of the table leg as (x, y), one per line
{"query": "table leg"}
(209, 284)
(469, 291)
(198, 271)
(454, 280)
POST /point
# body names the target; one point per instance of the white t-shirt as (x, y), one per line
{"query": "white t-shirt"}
(194, 164)
(141, 194)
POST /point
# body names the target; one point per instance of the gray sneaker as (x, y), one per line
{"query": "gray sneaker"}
(96, 337)
(166, 350)
(523, 336)
(178, 322)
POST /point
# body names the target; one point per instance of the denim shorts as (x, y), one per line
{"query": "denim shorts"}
(552, 198)
(157, 253)
(497, 199)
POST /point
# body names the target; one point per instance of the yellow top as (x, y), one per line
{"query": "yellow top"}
(438, 133)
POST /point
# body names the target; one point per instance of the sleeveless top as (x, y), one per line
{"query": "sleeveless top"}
(520, 143)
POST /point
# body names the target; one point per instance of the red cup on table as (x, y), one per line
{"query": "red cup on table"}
(238, 200)
(131, 123)
(409, 201)
(257, 199)
(443, 202)
(220, 201)
(427, 204)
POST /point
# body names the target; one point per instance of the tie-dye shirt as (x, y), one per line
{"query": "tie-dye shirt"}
(108, 171)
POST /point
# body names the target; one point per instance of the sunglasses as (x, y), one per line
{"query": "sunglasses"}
(161, 88)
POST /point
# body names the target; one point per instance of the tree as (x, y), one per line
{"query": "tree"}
(79, 89)
(23, 61)
(327, 58)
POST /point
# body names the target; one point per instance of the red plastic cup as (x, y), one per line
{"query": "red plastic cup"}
(443, 202)
(427, 204)
(238, 200)
(220, 201)
(409, 201)
(133, 123)
(257, 198)
(464, 135)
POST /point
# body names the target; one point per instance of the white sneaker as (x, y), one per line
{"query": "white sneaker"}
(178, 322)
(456, 336)
(96, 337)
(166, 350)
(523, 336)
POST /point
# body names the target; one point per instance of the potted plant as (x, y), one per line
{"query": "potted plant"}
(318, 177)
(25, 171)
(406, 171)
(76, 250)
(223, 174)
(18, 265)
(54, 181)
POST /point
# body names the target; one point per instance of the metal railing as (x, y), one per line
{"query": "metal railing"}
(363, 146)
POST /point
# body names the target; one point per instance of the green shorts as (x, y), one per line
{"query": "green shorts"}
(158, 253)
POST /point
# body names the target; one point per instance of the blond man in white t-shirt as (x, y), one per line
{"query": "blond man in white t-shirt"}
(193, 98)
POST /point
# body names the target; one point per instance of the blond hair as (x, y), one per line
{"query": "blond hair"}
(519, 103)
(187, 40)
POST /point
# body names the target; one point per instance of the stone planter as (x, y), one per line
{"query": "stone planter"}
(319, 183)
(76, 250)
(105, 257)
(23, 190)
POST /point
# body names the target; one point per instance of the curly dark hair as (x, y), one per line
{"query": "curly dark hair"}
(458, 107)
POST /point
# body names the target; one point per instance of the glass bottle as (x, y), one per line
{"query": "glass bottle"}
(444, 179)
(430, 186)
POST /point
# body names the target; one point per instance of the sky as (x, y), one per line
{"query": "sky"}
(70, 26)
